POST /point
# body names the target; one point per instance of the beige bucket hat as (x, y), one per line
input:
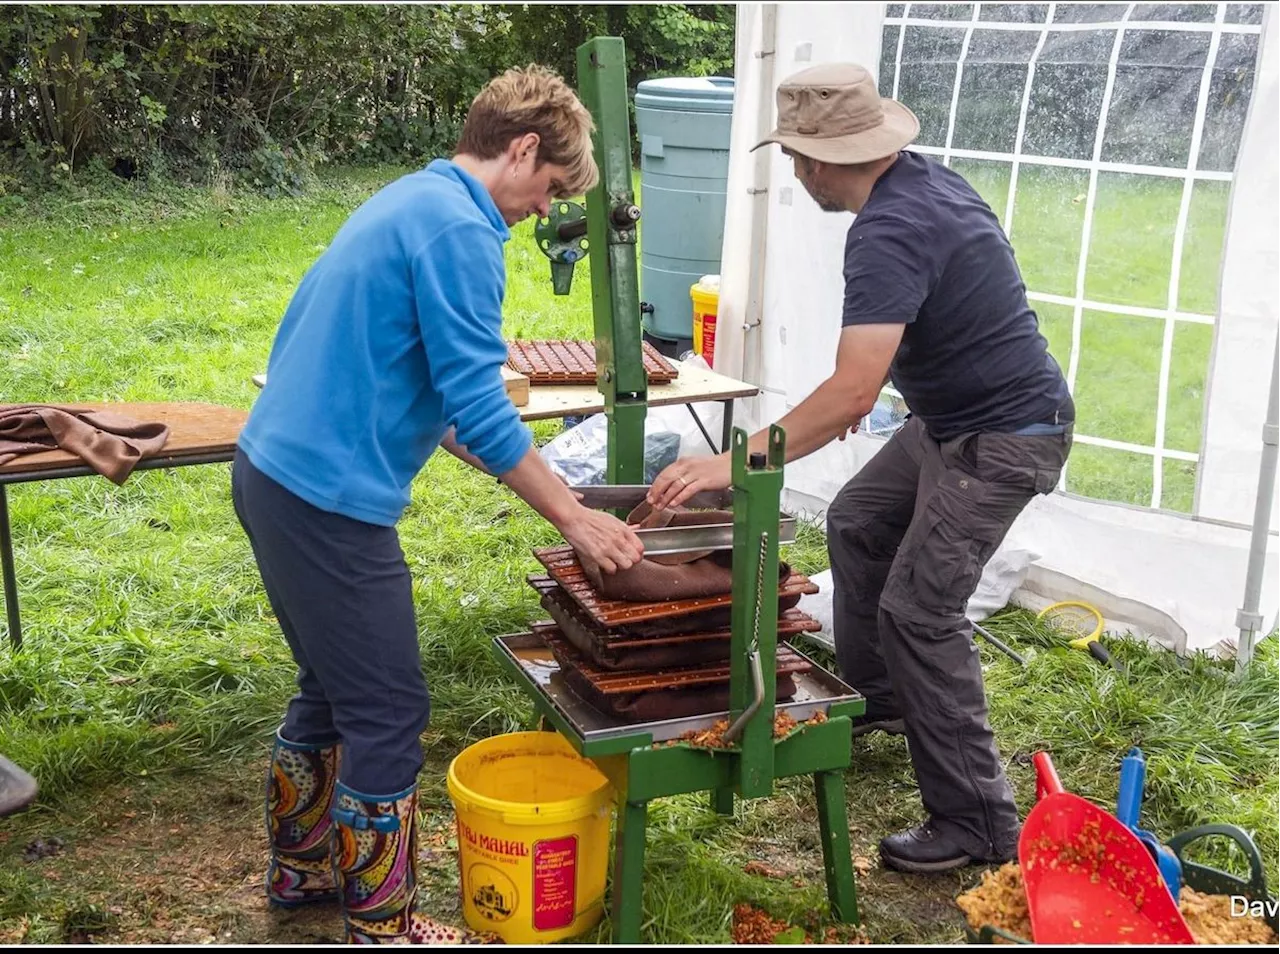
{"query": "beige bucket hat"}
(833, 113)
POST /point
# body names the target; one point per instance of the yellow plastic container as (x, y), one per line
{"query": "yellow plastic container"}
(706, 307)
(533, 837)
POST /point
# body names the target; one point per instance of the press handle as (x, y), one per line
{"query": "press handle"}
(757, 679)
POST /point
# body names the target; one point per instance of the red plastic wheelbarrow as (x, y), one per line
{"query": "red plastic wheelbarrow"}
(1088, 878)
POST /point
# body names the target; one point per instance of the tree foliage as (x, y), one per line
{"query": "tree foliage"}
(271, 89)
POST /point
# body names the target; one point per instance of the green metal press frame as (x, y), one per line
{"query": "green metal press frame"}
(638, 770)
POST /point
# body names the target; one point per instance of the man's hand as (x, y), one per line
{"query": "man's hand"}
(852, 430)
(689, 476)
(602, 537)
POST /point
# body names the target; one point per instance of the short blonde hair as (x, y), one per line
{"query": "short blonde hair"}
(533, 99)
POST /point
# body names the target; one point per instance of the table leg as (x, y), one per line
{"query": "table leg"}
(10, 578)
(697, 420)
(727, 436)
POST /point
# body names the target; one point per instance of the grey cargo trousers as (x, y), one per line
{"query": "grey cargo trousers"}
(908, 537)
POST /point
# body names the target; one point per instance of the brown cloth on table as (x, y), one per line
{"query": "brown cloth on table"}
(110, 443)
(677, 576)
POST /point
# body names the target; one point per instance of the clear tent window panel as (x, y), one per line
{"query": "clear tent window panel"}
(942, 11)
(1046, 226)
(1203, 239)
(990, 101)
(1230, 85)
(1131, 242)
(1103, 136)
(1153, 103)
(1244, 13)
(926, 78)
(1175, 12)
(1119, 377)
(1067, 94)
(1014, 12)
(1086, 12)
(990, 180)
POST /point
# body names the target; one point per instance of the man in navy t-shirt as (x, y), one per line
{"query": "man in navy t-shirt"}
(934, 302)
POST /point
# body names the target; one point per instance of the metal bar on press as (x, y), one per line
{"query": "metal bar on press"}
(713, 536)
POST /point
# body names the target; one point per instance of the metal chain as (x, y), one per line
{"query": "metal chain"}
(753, 653)
(760, 585)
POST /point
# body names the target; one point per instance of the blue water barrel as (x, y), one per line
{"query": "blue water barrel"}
(683, 125)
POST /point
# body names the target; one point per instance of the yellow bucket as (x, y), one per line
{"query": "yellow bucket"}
(533, 837)
(706, 308)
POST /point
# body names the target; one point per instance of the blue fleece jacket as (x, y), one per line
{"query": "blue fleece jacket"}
(393, 336)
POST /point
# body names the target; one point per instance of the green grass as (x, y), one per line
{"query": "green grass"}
(153, 673)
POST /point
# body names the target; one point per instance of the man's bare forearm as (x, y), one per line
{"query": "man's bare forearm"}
(831, 410)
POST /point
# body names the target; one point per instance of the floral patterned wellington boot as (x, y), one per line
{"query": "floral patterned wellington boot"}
(299, 825)
(375, 861)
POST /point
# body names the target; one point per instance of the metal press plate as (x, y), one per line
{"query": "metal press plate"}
(816, 691)
(709, 536)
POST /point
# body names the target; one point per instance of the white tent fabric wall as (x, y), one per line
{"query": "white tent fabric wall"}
(1169, 577)
(1245, 343)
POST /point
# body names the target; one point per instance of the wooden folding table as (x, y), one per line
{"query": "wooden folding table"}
(198, 434)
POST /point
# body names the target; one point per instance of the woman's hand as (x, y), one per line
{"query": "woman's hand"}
(689, 476)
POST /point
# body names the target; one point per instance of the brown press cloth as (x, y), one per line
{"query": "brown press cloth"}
(110, 443)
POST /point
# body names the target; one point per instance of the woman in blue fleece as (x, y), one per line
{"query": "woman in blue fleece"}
(390, 348)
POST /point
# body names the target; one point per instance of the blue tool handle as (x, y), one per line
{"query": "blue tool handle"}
(1133, 770)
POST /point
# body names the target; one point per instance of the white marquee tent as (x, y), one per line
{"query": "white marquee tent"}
(1163, 311)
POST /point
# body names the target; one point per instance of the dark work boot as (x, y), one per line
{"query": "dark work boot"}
(923, 850)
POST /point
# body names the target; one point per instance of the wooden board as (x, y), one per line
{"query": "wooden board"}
(517, 386)
(193, 429)
(558, 400)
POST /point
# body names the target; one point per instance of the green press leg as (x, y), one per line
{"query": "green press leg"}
(722, 801)
(628, 872)
(837, 853)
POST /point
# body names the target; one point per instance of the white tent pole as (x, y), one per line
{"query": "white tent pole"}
(1248, 618)
(754, 317)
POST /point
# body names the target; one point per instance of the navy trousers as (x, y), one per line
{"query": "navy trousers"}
(341, 591)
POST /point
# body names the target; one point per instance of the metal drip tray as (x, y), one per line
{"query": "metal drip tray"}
(534, 664)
